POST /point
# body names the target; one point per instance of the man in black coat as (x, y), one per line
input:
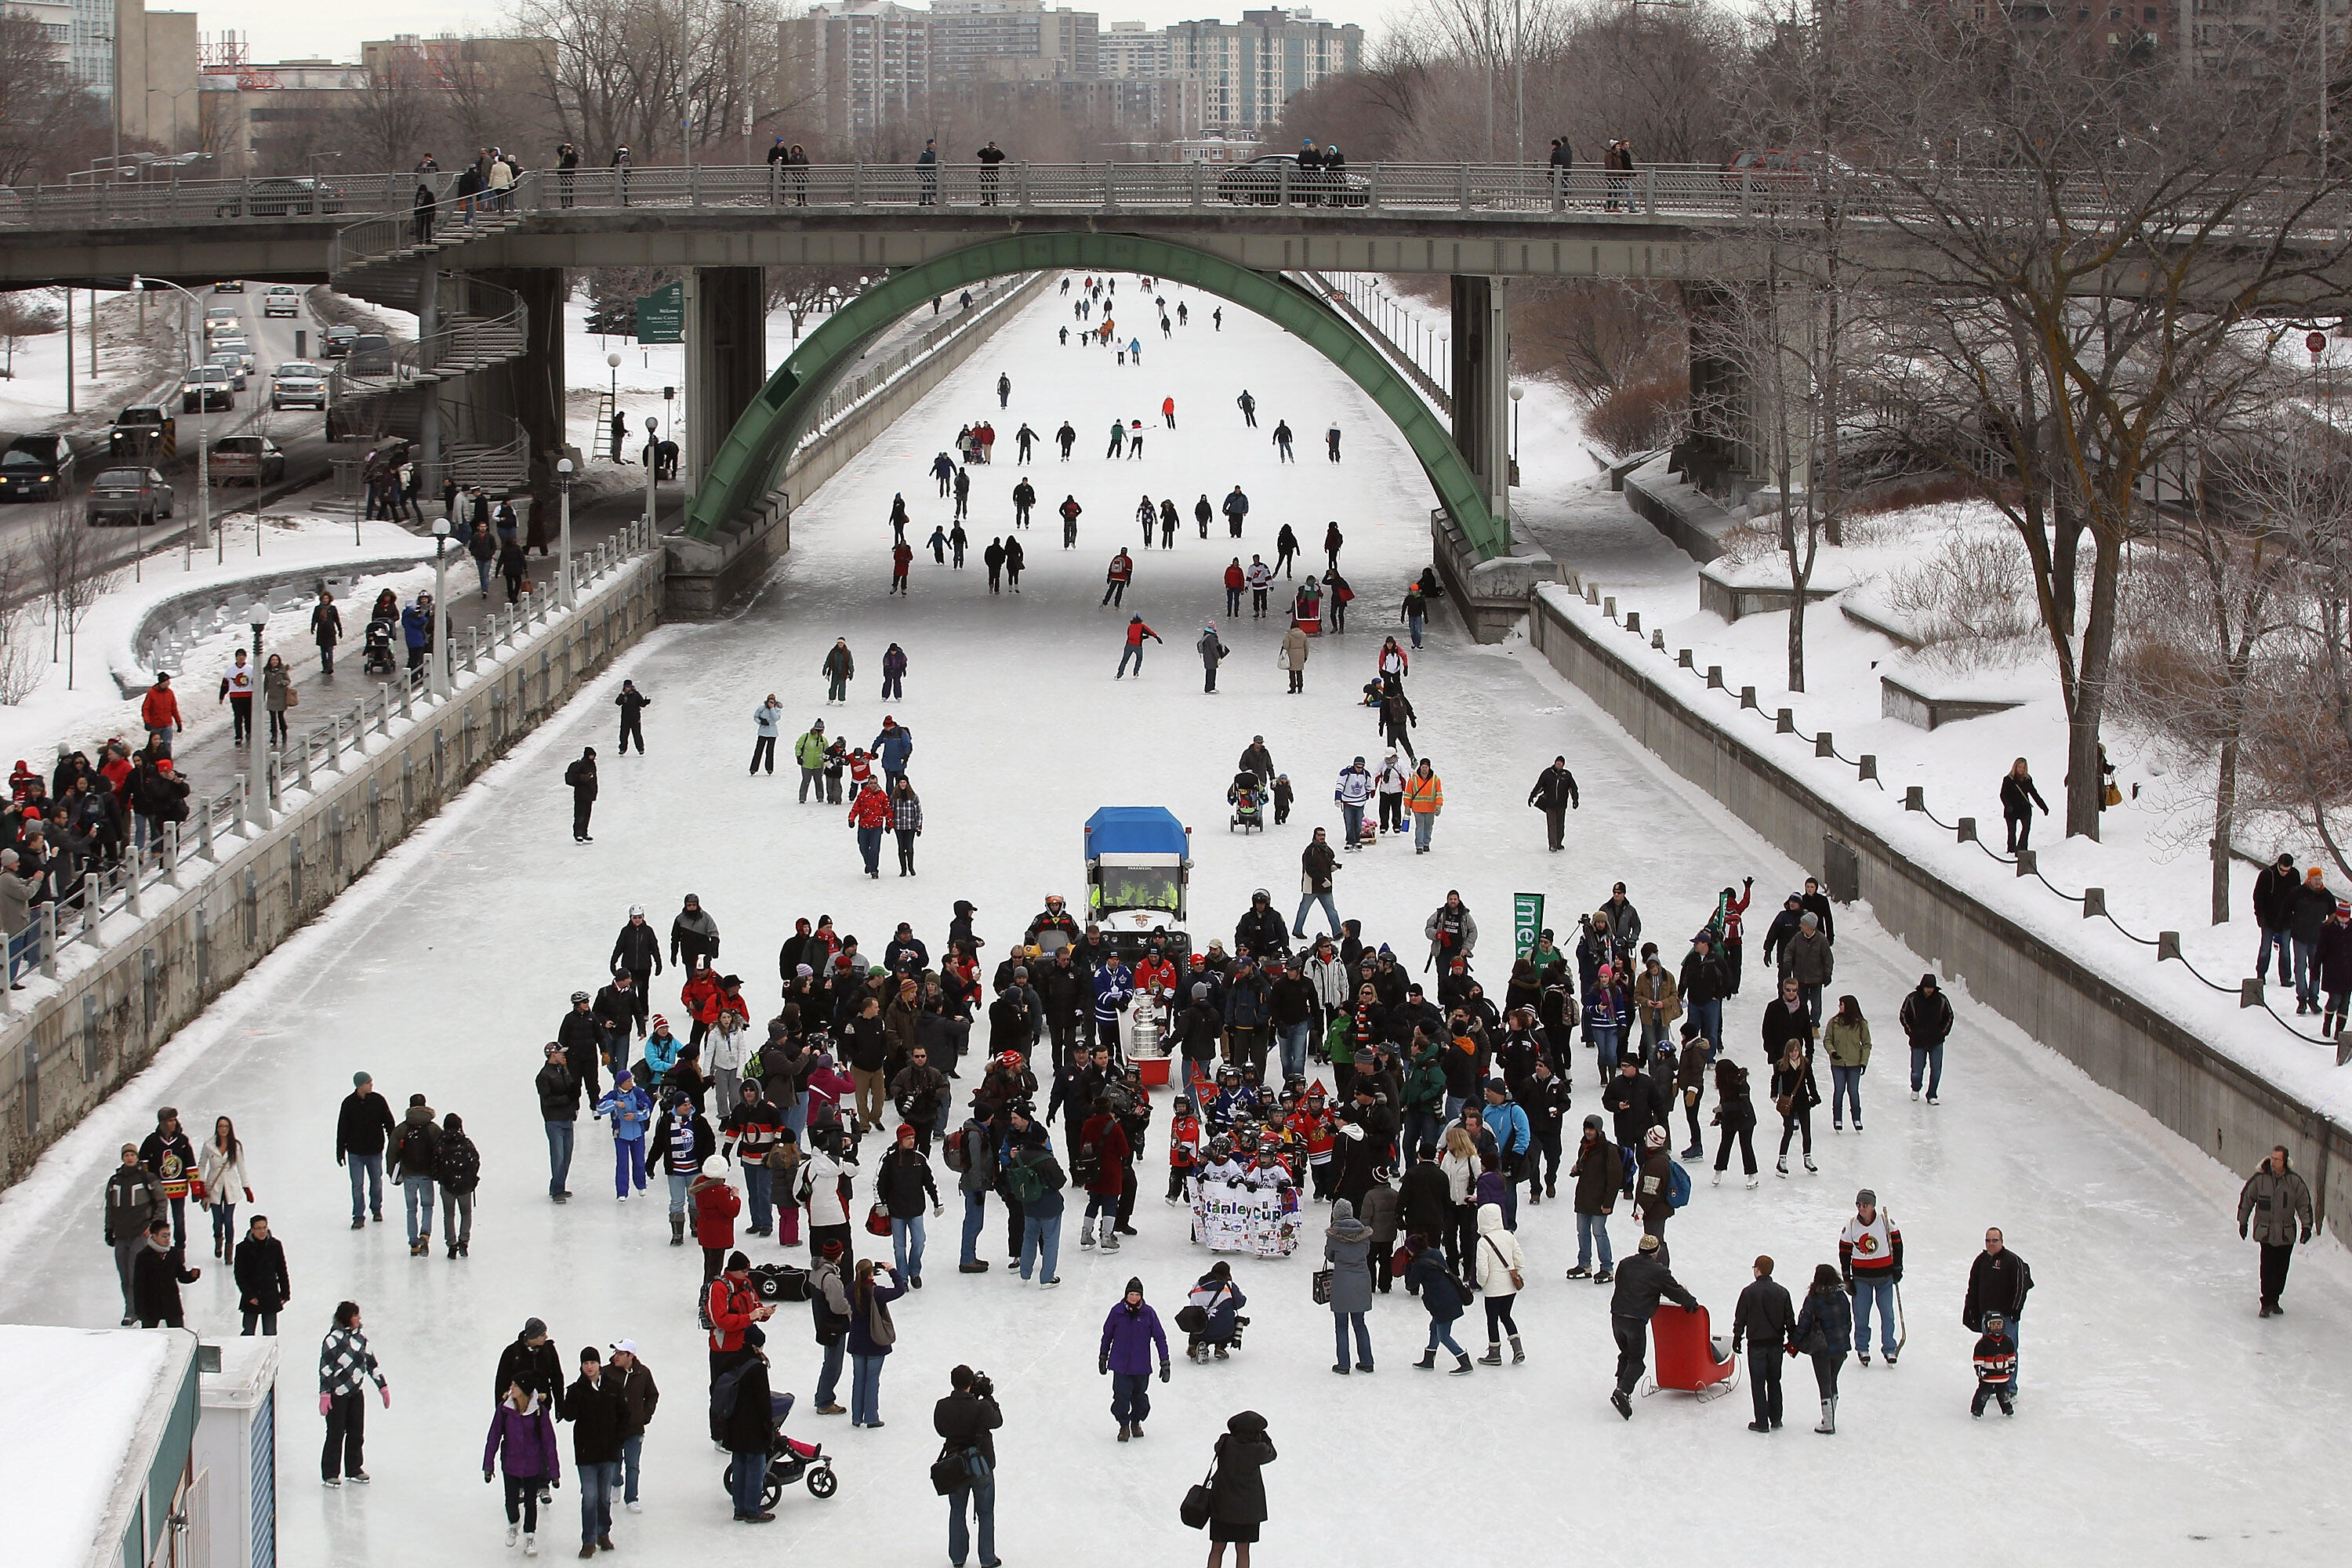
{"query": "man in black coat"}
(1555, 795)
(1642, 1280)
(558, 1084)
(1765, 1318)
(1260, 931)
(1817, 903)
(531, 1360)
(964, 1421)
(582, 778)
(1927, 1019)
(1632, 1104)
(1999, 1281)
(263, 1288)
(362, 1126)
(156, 1276)
(599, 1419)
(621, 1011)
(2275, 892)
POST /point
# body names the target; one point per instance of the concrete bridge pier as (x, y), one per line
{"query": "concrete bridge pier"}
(725, 358)
(1492, 593)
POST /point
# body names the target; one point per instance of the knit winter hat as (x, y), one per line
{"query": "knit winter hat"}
(737, 1263)
(2314, 877)
(361, 1080)
(661, 1024)
(1134, 1286)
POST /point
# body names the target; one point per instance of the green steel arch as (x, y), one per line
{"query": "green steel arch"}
(751, 461)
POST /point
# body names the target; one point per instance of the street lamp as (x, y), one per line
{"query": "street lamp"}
(563, 513)
(613, 362)
(1518, 391)
(432, 639)
(653, 468)
(257, 751)
(204, 441)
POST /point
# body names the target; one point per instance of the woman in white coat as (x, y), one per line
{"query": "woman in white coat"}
(1502, 1270)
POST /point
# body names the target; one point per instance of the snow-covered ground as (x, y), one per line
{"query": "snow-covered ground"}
(2163, 1417)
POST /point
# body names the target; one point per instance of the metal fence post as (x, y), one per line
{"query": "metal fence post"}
(204, 832)
(49, 939)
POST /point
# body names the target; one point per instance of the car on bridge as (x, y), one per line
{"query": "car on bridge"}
(206, 387)
(25, 477)
(283, 299)
(255, 460)
(299, 384)
(1779, 179)
(283, 195)
(1261, 181)
(136, 495)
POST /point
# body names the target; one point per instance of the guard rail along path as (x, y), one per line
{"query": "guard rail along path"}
(2120, 1041)
(117, 964)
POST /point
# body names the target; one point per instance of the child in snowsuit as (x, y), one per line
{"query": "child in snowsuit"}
(1996, 1359)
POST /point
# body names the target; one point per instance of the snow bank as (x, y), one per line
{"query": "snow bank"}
(79, 1399)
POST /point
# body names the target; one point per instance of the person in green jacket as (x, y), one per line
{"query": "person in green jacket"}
(809, 753)
(1847, 1035)
(839, 669)
(1425, 1099)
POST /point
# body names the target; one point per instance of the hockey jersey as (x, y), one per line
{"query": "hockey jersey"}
(1875, 1250)
(1184, 1142)
(1996, 1357)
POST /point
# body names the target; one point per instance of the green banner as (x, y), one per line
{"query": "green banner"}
(1527, 921)
(661, 315)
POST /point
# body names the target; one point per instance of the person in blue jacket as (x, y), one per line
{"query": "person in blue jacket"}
(1114, 988)
(662, 1049)
(1513, 1138)
(1128, 1338)
(632, 1113)
(417, 630)
(1440, 1296)
(894, 745)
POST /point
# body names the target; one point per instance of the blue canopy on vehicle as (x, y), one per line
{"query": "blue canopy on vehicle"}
(1134, 830)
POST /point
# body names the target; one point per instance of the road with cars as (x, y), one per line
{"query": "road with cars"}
(271, 328)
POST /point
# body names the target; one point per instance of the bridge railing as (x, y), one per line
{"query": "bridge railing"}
(373, 212)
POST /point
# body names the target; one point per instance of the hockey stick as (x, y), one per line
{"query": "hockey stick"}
(1902, 1329)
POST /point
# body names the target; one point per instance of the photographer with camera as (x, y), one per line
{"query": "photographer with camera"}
(965, 1470)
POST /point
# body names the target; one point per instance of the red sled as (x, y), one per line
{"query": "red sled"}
(1687, 1357)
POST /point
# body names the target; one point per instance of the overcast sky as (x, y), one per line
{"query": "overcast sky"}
(301, 29)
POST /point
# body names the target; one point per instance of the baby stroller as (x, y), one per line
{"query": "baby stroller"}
(788, 1461)
(378, 659)
(1247, 797)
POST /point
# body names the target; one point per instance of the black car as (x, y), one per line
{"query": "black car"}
(284, 195)
(1260, 181)
(52, 451)
(337, 341)
(24, 476)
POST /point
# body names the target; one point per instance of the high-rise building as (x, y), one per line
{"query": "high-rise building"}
(1012, 40)
(871, 59)
(1249, 69)
(1132, 49)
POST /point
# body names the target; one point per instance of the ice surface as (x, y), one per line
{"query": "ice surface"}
(2161, 1419)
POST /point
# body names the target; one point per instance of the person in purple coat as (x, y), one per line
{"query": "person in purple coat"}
(524, 1430)
(1128, 1338)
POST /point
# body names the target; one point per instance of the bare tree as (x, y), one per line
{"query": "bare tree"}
(24, 314)
(48, 125)
(20, 664)
(72, 576)
(2075, 255)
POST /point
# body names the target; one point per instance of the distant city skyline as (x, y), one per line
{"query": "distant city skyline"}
(290, 30)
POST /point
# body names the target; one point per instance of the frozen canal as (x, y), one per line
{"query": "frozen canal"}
(2160, 1422)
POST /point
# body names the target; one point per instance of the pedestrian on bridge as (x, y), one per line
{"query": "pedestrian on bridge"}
(424, 213)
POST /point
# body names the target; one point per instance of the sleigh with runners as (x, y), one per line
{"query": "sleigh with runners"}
(1688, 1357)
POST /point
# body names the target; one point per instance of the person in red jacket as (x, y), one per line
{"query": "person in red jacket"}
(870, 814)
(160, 712)
(1235, 579)
(1312, 1128)
(732, 1305)
(900, 554)
(700, 997)
(715, 1208)
(1135, 632)
(1122, 568)
(1183, 1146)
(1102, 1155)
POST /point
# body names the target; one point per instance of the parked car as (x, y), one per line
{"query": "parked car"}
(370, 354)
(337, 341)
(229, 286)
(298, 383)
(142, 431)
(206, 387)
(1259, 183)
(255, 460)
(231, 361)
(283, 299)
(24, 476)
(284, 195)
(52, 451)
(128, 495)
